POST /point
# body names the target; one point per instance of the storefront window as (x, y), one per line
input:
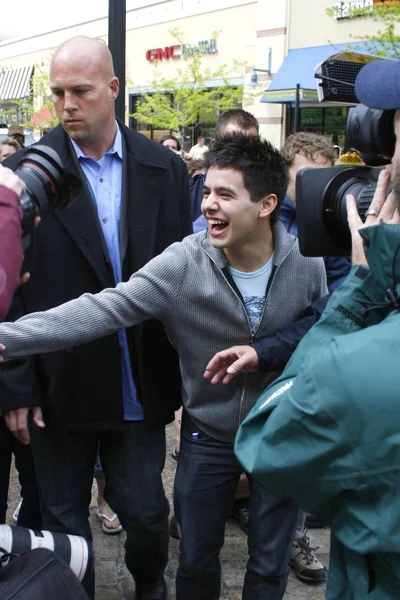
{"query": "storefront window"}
(329, 121)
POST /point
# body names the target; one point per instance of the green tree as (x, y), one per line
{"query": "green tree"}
(386, 41)
(186, 99)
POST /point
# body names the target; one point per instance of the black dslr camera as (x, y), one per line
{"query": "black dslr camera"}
(321, 193)
(48, 186)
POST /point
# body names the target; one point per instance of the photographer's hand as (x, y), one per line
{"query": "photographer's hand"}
(383, 208)
(17, 422)
(10, 180)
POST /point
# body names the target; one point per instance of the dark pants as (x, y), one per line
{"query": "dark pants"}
(132, 460)
(29, 513)
(205, 484)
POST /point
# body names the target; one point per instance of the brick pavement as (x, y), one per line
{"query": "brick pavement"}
(113, 581)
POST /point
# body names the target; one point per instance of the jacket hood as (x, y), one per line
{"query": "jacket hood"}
(283, 243)
(382, 248)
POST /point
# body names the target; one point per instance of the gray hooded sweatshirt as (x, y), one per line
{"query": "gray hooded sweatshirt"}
(186, 288)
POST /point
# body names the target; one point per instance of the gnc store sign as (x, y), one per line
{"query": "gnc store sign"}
(179, 50)
(343, 9)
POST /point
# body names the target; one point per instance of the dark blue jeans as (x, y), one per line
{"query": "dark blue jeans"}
(205, 485)
(132, 460)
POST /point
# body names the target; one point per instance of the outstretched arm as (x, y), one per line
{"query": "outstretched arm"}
(148, 294)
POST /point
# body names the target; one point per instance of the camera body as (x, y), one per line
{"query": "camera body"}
(321, 193)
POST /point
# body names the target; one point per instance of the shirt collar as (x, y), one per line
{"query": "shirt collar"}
(115, 149)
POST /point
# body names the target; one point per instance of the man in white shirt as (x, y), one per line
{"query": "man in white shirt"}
(197, 152)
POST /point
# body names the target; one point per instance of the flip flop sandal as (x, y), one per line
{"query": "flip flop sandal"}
(175, 454)
(108, 530)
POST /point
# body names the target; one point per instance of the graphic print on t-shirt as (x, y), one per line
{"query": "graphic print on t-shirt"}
(254, 307)
(253, 286)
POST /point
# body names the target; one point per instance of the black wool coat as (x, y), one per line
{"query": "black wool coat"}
(81, 388)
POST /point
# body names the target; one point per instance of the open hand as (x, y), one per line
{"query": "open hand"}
(228, 363)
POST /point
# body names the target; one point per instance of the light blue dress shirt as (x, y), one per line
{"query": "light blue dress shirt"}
(104, 179)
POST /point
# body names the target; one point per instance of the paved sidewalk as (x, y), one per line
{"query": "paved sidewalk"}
(113, 581)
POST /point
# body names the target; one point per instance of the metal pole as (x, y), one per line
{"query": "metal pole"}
(117, 46)
(297, 109)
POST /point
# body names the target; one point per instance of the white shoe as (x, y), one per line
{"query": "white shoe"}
(304, 562)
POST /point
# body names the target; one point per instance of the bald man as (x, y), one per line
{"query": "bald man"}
(118, 393)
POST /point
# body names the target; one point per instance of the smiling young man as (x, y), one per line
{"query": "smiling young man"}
(242, 279)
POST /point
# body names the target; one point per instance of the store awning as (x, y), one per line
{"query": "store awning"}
(15, 83)
(298, 67)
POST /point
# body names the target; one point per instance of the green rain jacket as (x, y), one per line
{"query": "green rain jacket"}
(327, 431)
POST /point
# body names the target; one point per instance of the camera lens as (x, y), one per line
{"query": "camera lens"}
(321, 207)
(42, 171)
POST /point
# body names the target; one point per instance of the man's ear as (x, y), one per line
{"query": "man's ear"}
(267, 205)
(114, 87)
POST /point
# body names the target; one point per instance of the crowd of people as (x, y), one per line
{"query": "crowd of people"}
(129, 321)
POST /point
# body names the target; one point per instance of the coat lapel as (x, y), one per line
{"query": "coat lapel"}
(146, 189)
(80, 217)
(123, 228)
(143, 189)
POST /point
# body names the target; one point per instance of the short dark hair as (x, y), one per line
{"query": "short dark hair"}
(170, 137)
(261, 164)
(244, 119)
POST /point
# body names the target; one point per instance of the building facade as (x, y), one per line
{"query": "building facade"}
(276, 43)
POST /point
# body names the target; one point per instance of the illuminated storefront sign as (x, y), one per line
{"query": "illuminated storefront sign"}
(343, 10)
(177, 51)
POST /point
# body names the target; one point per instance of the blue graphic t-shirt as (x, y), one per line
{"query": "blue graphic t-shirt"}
(253, 286)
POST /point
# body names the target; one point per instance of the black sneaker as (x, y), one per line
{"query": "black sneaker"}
(240, 513)
(304, 562)
(174, 528)
(313, 522)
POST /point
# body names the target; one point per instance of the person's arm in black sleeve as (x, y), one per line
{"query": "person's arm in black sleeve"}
(182, 182)
(337, 269)
(275, 351)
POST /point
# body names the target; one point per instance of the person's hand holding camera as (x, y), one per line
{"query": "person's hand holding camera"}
(383, 209)
(10, 180)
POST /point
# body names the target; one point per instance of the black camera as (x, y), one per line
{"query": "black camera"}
(48, 186)
(321, 193)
